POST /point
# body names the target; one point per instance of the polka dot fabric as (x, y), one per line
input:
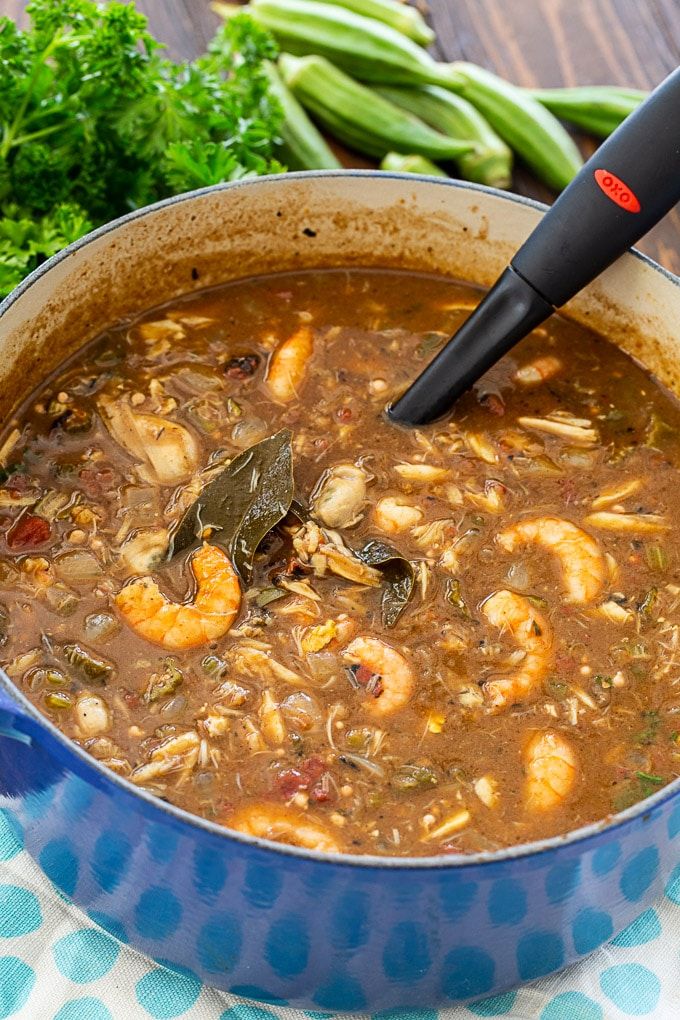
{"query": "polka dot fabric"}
(58, 964)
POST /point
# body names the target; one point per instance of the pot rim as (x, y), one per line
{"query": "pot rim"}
(176, 814)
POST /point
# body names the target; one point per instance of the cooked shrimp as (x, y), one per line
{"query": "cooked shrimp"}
(288, 364)
(551, 767)
(582, 562)
(532, 632)
(176, 625)
(389, 676)
(283, 825)
(539, 370)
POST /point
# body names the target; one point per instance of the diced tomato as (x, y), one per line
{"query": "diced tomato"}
(289, 782)
(366, 678)
(568, 486)
(131, 698)
(313, 768)
(29, 532)
(565, 664)
(294, 567)
(320, 794)
(363, 674)
(97, 480)
(493, 403)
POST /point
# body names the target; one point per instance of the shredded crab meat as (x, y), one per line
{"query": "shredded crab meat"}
(616, 493)
(639, 524)
(176, 755)
(480, 446)
(421, 474)
(577, 431)
(166, 452)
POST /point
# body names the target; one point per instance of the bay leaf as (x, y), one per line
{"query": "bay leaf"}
(243, 503)
(300, 510)
(399, 578)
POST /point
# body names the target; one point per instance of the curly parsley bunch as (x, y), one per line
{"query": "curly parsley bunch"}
(94, 121)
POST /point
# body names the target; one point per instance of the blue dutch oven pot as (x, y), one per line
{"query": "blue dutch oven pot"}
(255, 918)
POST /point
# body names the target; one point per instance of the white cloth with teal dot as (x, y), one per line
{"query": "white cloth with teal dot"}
(55, 964)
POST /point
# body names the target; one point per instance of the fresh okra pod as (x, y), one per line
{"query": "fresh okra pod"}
(358, 116)
(303, 147)
(411, 164)
(406, 18)
(489, 162)
(598, 109)
(521, 121)
(362, 47)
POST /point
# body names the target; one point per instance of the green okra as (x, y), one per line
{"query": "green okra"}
(409, 163)
(521, 121)
(360, 46)
(359, 117)
(490, 161)
(302, 146)
(598, 109)
(406, 18)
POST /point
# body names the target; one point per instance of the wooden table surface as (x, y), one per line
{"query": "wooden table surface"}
(531, 42)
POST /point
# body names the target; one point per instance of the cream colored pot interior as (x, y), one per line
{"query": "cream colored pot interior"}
(276, 224)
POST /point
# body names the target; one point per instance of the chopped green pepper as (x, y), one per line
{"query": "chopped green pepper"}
(649, 732)
(649, 777)
(455, 597)
(656, 557)
(414, 777)
(89, 665)
(647, 603)
(162, 684)
(555, 688)
(59, 701)
(214, 666)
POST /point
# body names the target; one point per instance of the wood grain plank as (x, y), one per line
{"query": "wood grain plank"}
(565, 42)
(533, 42)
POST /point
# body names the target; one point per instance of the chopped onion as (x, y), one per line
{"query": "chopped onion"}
(323, 665)
(248, 432)
(173, 708)
(92, 715)
(78, 566)
(100, 626)
(301, 711)
(518, 576)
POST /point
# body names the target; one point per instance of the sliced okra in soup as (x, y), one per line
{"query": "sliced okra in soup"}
(233, 582)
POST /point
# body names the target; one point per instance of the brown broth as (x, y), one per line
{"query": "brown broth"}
(304, 741)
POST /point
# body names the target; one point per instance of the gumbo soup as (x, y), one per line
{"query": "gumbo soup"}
(232, 581)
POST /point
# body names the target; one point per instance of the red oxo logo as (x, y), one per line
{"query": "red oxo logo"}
(614, 188)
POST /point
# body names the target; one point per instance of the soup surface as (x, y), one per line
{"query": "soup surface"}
(368, 639)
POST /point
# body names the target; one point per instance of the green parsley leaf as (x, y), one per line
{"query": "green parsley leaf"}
(95, 121)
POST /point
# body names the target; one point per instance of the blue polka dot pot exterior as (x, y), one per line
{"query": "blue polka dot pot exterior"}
(271, 922)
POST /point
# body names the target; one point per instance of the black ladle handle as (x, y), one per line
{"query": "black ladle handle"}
(624, 189)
